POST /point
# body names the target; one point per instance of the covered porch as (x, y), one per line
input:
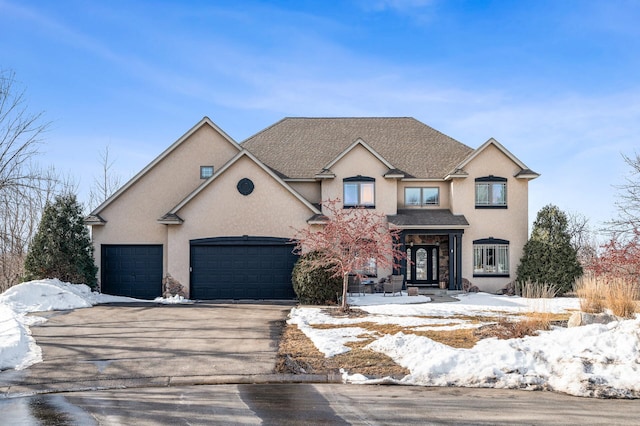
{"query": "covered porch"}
(432, 242)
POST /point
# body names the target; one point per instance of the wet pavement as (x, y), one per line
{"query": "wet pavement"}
(314, 404)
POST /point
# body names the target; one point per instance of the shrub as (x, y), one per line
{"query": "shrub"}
(315, 286)
(548, 256)
(62, 247)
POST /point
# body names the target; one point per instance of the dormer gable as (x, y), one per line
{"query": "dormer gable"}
(204, 136)
(524, 172)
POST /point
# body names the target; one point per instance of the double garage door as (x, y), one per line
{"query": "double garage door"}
(221, 268)
(242, 268)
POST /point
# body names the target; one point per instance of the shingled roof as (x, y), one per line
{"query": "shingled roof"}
(302, 147)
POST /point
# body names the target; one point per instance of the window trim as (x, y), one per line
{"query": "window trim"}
(359, 180)
(421, 203)
(204, 175)
(490, 181)
(498, 245)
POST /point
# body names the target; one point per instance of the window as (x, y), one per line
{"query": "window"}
(206, 172)
(491, 257)
(369, 268)
(359, 191)
(421, 196)
(491, 192)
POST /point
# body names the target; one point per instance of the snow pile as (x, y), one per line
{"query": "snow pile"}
(381, 299)
(593, 361)
(17, 348)
(173, 300)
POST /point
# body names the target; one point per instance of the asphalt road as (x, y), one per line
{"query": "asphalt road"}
(314, 404)
(213, 364)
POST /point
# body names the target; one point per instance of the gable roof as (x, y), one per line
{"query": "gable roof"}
(358, 142)
(94, 217)
(299, 148)
(172, 216)
(525, 172)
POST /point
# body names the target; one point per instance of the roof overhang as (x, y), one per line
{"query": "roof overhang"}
(527, 174)
(318, 219)
(94, 220)
(427, 219)
(171, 219)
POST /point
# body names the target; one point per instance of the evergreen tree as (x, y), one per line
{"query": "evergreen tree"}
(549, 257)
(62, 247)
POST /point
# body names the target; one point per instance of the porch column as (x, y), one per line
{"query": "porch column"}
(459, 262)
(453, 261)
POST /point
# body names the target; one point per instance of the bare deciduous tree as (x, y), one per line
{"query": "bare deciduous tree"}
(628, 204)
(583, 239)
(106, 184)
(24, 187)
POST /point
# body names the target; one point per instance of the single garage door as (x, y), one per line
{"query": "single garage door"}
(132, 270)
(242, 268)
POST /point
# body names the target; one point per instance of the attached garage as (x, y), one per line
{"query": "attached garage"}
(242, 268)
(132, 270)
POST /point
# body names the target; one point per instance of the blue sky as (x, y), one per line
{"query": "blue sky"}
(556, 82)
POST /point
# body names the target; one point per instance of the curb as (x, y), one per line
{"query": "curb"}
(18, 391)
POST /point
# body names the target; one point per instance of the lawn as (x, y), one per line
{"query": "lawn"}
(481, 340)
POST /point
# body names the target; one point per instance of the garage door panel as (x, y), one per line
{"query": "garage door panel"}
(242, 271)
(132, 270)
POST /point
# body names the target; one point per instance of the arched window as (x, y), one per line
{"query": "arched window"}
(359, 191)
(491, 257)
(491, 192)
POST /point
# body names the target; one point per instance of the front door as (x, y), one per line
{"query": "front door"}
(424, 265)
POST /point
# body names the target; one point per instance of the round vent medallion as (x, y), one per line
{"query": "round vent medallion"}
(245, 186)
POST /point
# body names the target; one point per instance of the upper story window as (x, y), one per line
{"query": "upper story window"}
(490, 257)
(206, 172)
(491, 192)
(359, 191)
(421, 196)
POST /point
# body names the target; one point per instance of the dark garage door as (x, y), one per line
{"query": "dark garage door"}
(242, 268)
(132, 270)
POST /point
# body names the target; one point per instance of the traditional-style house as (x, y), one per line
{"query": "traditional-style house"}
(218, 216)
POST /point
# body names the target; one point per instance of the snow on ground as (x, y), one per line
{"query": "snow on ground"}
(595, 360)
(18, 349)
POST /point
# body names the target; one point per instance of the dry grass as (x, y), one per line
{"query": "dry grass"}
(531, 290)
(506, 328)
(590, 293)
(297, 353)
(621, 296)
(618, 295)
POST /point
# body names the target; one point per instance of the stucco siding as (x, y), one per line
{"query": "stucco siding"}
(443, 193)
(360, 161)
(509, 224)
(132, 216)
(221, 210)
(311, 191)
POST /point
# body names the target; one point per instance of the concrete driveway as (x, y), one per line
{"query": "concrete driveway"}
(112, 346)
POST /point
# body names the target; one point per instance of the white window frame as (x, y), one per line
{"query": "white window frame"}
(491, 259)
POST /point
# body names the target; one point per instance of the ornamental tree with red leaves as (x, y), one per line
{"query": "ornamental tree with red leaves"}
(620, 258)
(347, 241)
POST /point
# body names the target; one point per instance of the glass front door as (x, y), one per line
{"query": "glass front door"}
(424, 264)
